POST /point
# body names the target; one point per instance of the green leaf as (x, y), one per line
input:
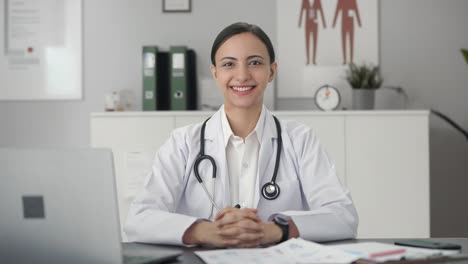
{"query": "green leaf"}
(465, 54)
(364, 76)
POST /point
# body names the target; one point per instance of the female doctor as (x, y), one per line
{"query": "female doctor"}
(277, 171)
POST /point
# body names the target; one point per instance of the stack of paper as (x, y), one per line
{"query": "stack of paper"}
(302, 251)
(291, 251)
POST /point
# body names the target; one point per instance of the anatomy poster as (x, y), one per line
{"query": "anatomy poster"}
(317, 39)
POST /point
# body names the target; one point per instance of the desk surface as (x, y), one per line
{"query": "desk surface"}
(189, 257)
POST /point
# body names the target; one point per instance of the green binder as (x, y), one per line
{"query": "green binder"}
(150, 78)
(178, 64)
(183, 88)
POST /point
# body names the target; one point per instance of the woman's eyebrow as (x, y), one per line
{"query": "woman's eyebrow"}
(254, 56)
(248, 58)
(228, 58)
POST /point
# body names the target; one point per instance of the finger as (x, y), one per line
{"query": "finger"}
(233, 209)
(224, 211)
(250, 239)
(236, 230)
(229, 233)
(250, 213)
(246, 237)
(251, 227)
(230, 242)
(232, 217)
(245, 225)
(227, 219)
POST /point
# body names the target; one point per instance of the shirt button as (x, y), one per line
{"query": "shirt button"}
(245, 165)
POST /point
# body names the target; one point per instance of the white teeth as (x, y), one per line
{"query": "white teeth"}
(242, 89)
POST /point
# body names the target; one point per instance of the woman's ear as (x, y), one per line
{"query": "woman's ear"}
(213, 71)
(273, 68)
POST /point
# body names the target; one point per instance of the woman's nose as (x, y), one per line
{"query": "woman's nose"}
(242, 73)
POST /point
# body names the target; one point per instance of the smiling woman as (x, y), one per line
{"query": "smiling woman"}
(215, 183)
(243, 63)
(242, 74)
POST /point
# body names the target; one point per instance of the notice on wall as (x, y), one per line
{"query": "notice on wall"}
(138, 164)
(42, 49)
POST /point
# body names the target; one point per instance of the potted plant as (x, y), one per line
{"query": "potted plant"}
(364, 79)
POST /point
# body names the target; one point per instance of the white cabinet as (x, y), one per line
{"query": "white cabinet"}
(387, 171)
(381, 156)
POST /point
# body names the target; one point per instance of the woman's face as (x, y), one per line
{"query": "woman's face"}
(243, 70)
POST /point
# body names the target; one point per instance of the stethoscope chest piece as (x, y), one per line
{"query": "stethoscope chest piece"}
(270, 190)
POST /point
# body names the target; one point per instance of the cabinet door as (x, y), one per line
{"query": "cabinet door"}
(134, 141)
(330, 132)
(388, 174)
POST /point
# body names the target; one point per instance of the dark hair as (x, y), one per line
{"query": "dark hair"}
(238, 28)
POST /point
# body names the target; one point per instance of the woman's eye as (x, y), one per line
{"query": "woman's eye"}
(255, 63)
(228, 64)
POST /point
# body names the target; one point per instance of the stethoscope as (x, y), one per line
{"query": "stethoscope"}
(270, 190)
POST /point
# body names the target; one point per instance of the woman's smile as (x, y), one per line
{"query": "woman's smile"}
(242, 89)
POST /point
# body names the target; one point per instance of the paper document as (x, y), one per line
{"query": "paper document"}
(291, 251)
(373, 250)
(137, 166)
(381, 252)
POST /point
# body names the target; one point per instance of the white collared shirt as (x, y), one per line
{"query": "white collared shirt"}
(242, 161)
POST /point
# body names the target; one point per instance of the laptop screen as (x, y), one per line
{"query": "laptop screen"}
(58, 206)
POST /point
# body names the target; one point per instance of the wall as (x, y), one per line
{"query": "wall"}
(114, 31)
(420, 42)
(420, 50)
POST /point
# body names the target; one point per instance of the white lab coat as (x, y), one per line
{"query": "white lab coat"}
(311, 193)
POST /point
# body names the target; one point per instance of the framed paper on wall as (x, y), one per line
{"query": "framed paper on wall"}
(41, 50)
(317, 39)
(177, 5)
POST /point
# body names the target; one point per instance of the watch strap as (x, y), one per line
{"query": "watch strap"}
(284, 226)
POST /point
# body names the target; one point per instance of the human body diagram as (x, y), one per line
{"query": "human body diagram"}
(349, 11)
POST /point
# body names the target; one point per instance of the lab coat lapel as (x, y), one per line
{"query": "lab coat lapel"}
(267, 156)
(215, 147)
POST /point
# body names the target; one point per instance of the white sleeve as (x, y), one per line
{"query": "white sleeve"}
(331, 214)
(151, 216)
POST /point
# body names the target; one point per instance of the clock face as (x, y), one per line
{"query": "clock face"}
(327, 98)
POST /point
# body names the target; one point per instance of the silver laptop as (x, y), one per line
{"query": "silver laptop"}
(60, 206)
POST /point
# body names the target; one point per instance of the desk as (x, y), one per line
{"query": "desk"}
(189, 257)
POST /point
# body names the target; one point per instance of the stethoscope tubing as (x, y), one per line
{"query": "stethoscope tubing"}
(269, 185)
(211, 198)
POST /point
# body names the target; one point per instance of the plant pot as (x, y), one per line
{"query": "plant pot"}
(363, 99)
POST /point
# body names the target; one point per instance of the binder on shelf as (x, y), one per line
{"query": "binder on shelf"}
(149, 77)
(183, 88)
(155, 79)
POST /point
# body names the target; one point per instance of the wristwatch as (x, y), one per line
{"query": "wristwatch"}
(283, 224)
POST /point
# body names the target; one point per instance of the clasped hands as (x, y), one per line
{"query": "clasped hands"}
(233, 227)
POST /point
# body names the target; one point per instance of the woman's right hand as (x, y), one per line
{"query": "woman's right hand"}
(207, 234)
